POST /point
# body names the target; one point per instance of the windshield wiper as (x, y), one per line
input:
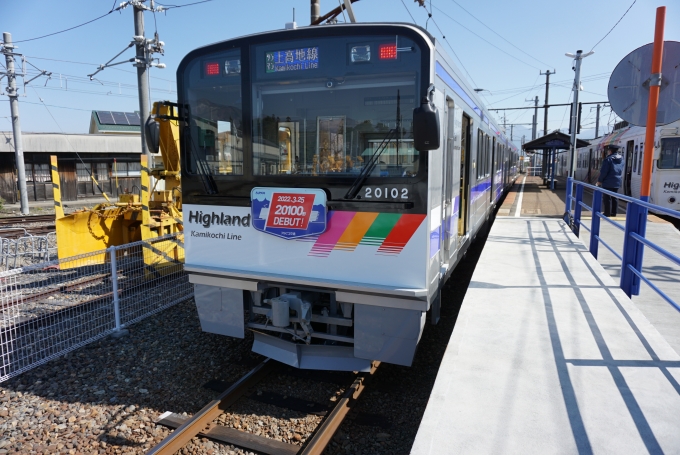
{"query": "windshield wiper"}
(202, 166)
(373, 161)
(370, 165)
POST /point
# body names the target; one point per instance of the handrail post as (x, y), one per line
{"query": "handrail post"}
(118, 330)
(570, 183)
(577, 209)
(595, 223)
(639, 247)
(636, 218)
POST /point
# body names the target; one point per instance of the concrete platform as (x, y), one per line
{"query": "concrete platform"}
(548, 355)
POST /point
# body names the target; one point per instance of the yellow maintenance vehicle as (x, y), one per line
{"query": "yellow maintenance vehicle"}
(145, 216)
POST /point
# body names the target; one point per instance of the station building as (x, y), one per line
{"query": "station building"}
(110, 152)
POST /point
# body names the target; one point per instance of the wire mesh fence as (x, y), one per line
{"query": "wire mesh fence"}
(51, 308)
(25, 249)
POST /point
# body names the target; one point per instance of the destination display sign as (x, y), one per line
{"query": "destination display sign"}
(288, 213)
(305, 58)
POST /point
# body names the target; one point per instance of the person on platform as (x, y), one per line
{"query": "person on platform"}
(611, 173)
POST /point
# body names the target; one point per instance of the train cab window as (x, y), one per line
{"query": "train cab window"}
(669, 158)
(215, 114)
(317, 110)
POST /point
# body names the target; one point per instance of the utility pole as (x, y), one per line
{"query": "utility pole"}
(574, 106)
(316, 11)
(597, 122)
(547, 91)
(534, 129)
(142, 81)
(511, 128)
(8, 50)
(144, 48)
(534, 120)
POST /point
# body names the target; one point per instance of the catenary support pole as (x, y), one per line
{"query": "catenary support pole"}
(547, 92)
(316, 11)
(597, 122)
(578, 58)
(534, 128)
(16, 124)
(142, 81)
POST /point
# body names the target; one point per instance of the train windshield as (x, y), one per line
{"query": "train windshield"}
(312, 107)
(326, 106)
(670, 154)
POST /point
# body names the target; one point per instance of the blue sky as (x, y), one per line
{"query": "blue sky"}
(540, 32)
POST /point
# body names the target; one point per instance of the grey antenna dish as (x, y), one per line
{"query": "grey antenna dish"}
(629, 85)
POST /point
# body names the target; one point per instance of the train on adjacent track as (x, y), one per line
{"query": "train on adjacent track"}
(665, 179)
(332, 179)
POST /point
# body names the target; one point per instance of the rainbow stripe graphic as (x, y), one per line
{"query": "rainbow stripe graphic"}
(390, 232)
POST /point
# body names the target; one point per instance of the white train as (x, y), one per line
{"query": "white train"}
(325, 202)
(665, 188)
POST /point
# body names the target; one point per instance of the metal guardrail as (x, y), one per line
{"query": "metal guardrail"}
(51, 308)
(634, 240)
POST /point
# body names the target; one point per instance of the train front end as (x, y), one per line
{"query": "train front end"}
(305, 200)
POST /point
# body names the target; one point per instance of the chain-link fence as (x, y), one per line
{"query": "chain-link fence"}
(54, 307)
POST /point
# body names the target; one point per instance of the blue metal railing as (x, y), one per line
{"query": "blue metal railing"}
(634, 230)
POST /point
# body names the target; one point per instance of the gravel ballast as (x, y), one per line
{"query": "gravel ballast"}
(104, 398)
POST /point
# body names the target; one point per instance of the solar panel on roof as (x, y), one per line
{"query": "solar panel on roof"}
(133, 118)
(120, 118)
(105, 118)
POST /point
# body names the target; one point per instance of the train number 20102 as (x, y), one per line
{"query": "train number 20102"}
(385, 193)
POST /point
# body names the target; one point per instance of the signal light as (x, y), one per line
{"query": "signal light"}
(212, 69)
(387, 52)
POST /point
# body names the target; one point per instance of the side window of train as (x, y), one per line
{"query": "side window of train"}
(635, 159)
(642, 152)
(480, 148)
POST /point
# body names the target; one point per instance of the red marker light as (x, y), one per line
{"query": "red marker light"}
(212, 69)
(387, 52)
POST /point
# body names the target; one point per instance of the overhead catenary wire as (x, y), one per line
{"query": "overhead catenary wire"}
(409, 12)
(486, 41)
(71, 145)
(165, 7)
(90, 64)
(617, 23)
(450, 47)
(188, 4)
(70, 28)
(499, 35)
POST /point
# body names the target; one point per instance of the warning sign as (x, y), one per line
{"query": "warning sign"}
(290, 210)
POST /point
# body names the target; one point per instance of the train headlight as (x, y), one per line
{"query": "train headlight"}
(360, 54)
(232, 67)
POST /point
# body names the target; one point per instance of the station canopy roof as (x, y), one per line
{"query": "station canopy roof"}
(556, 139)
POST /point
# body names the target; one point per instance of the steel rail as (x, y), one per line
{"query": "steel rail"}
(10, 220)
(203, 418)
(322, 437)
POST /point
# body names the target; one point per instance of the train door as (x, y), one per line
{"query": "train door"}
(493, 182)
(447, 182)
(629, 168)
(589, 173)
(464, 191)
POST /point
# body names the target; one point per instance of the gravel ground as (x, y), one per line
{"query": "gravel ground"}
(105, 397)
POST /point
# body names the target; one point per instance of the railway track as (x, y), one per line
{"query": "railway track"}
(202, 423)
(14, 220)
(14, 227)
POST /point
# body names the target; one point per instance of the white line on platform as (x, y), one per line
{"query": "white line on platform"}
(518, 210)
